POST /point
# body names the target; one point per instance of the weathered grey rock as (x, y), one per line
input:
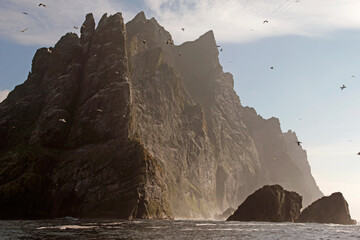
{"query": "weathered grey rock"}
(149, 133)
(90, 165)
(329, 209)
(269, 204)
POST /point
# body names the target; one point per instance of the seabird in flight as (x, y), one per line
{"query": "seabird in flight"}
(24, 30)
(41, 4)
(62, 120)
(272, 67)
(76, 27)
(144, 42)
(265, 21)
(342, 87)
(298, 143)
(183, 29)
(25, 13)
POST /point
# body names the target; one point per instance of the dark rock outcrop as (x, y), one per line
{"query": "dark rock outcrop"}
(107, 126)
(269, 204)
(330, 209)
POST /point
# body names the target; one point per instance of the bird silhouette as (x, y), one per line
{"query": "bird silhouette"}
(265, 21)
(49, 50)
(24, 30)
(179, 53)
(62, 120)
(183, 29)
(218, 46)
(272, 67)
(221, 50)
(144, 42)
(298, 143)
(25, 13)
(342, 87)
(76, 27)
(353, 76)
(358, 153)
(43, 5)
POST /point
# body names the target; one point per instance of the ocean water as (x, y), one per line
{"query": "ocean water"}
(177, 229)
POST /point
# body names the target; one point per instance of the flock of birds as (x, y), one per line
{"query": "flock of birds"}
(40, 5)
(171, 42)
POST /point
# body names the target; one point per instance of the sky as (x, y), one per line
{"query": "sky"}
(312, 45)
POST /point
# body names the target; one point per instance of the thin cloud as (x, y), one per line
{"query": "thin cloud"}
(46, 25)
(3, 94)
(242, 20)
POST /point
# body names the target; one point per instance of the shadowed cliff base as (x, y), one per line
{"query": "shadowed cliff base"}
(117, 123)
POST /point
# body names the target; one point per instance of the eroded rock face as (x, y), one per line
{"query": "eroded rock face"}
(329, 209)
(269, 204)
(148, 132)
(67, 147)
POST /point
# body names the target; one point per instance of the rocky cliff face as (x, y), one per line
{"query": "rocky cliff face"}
(118, 123)
(330, 209)
(269, 204)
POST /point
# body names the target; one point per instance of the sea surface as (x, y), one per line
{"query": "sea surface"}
(69, 228)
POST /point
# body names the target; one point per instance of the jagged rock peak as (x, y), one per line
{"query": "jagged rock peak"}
(208, 36)
(87, 28)
(89, 24)
(140, 17)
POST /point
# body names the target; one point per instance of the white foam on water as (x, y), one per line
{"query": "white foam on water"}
(205, 224)
(64, 227)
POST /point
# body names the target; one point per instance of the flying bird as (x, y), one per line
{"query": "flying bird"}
(49, 50)
(298, 143)
(265, 21)
(41, 4)
(62, 120)
(221, 50)
(272, 67)
(76, 27)
(342, 87)
(353, 76)
(179, 53)
(144, 42)
(24, 30)
(25, 13)
(358, 153)
(99, 110)
(183, 29)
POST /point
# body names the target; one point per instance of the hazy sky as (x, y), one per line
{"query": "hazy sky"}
(312, 44)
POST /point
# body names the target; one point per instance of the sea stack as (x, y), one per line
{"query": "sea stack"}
(269, 204)
(329, 209)
(114, 123)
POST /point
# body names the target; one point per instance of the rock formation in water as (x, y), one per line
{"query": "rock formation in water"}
(269, 204)
(109, 126)
(330, 209)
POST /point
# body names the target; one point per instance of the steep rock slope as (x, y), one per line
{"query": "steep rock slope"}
(67, 147)
(152, 130)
